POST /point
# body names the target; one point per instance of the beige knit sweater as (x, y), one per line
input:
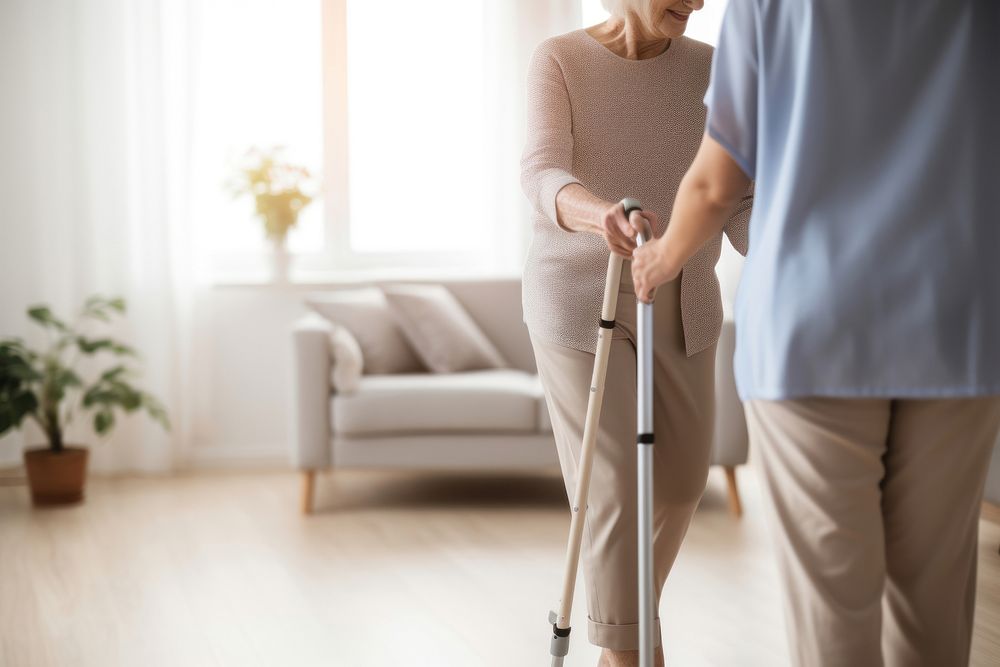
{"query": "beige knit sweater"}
(621, 128)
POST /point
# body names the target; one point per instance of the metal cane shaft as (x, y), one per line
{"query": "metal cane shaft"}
(644, 471)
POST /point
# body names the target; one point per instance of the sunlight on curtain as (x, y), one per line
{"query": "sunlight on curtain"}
(95, 128)
(416, 126)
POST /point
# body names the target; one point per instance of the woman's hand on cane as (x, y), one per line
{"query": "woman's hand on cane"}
(617, 231)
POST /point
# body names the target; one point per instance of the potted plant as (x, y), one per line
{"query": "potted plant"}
(279, 191)
(44, 386)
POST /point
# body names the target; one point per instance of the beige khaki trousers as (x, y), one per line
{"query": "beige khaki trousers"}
(682, 421)
(874, 508)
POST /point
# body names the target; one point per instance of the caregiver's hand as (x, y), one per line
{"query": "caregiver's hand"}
(618, 233)
(650, 269)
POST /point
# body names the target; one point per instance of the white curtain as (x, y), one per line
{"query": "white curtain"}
(93, 182)
(515, 28)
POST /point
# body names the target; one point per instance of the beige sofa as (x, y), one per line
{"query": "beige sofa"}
(479, 420)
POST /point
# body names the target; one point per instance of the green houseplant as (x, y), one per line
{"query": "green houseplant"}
(280, 192)
(44, 386)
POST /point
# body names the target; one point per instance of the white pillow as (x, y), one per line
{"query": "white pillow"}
(445, 337)
(364, 312)
(348, 361)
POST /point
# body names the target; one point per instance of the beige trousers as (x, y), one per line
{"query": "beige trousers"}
(874, 506)
(683, 420)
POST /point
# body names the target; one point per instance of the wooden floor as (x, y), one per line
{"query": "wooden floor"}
(394, 569)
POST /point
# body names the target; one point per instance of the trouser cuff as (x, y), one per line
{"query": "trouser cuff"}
(619, 637)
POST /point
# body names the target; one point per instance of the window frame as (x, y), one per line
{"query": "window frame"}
(506, 238)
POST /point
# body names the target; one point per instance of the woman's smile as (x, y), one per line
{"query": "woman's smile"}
(679, 16)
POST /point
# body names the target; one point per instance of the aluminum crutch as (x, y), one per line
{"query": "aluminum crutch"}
(560, 618)
(644, 444)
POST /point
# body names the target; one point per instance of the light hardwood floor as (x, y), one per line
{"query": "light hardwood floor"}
(393, 569)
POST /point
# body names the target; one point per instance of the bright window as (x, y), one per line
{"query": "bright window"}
(258, 83)
(391, 118)
(416, 126)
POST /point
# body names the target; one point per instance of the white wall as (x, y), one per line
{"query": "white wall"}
(242, 350)
(244, 356)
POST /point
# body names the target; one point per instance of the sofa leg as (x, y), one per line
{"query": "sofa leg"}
(735, 505)
(308, 490)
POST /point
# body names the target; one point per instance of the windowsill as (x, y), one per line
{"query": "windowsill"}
(313, 279)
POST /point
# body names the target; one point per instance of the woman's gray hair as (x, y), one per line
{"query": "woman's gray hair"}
(621, 7)
(642, 9)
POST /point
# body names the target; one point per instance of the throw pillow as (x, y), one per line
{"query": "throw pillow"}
(348, 361)
(364, 312)
(445, 337)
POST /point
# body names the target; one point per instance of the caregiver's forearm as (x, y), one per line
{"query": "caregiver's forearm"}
(709, 194)
(580, 211)
(697, 216)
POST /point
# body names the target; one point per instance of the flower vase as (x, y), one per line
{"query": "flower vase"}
(281, 261)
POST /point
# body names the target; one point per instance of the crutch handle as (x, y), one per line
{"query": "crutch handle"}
(631, 205)
(645, 234)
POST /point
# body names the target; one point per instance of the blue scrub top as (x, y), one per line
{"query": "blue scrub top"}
(872, 130)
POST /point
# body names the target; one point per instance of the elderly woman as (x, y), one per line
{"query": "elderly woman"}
(868, 313)
(616, 110)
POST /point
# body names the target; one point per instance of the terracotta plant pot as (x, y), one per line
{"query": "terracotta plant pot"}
(56, 478)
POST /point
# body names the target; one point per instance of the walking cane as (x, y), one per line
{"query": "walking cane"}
(644, 443)
(560, 619)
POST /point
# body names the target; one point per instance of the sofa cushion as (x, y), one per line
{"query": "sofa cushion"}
(365, 313)
(473, 402)
(445, 338)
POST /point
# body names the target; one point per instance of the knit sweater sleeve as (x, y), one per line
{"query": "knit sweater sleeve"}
(547, 160)
(738, 227)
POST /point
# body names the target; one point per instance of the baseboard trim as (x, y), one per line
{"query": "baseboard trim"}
(991, 512)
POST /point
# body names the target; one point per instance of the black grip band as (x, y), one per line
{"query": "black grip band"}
(560, 632)
(645, 439)
(606, 324)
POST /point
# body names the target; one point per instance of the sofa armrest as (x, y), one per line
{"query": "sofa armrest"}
(730, 445)
(311, 389)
